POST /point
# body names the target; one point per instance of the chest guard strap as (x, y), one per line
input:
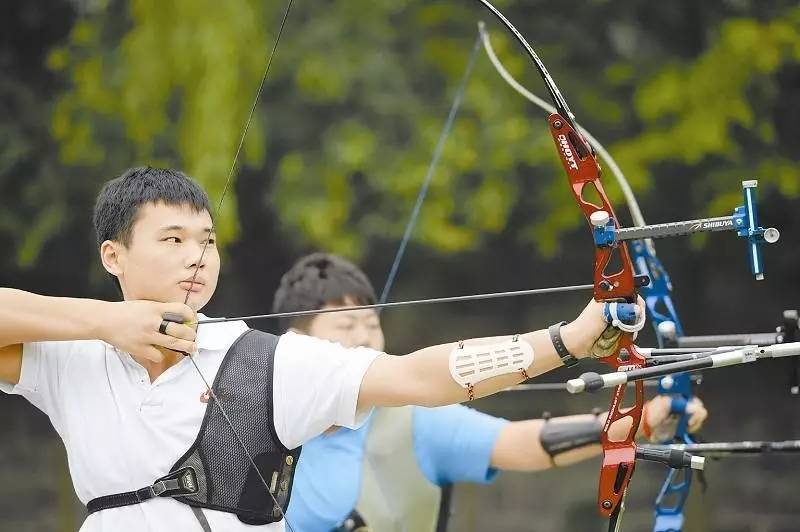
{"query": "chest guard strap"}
(180, 482)
(215, 472)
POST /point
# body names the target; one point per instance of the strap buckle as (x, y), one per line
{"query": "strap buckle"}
(161, 486)
(178, 483)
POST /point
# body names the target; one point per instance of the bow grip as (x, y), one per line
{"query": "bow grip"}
(678, 405)
(628, 313)
(678, 408)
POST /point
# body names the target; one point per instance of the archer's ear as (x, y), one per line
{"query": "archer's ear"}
(111, 257)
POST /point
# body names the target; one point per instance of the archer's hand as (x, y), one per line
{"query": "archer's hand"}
(590, 335)
(659, 426)
(132, 326)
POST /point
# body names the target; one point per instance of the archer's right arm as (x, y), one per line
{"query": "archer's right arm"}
(27, 317)
(129, 325)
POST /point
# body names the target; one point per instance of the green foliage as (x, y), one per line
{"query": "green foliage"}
(719, 107)
(176, 89)
(360, 89)
(33, 188)
(368, 88)
(393, 78)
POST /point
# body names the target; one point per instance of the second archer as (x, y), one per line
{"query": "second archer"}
(393, 473)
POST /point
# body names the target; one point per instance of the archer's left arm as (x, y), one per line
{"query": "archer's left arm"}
(538, 444)
(424, 378)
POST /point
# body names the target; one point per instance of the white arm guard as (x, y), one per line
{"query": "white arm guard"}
(470, 364)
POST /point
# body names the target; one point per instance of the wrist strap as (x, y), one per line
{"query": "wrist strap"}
(563, 353)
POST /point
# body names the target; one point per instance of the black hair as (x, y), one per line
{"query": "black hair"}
(120, 199)
(317, 280)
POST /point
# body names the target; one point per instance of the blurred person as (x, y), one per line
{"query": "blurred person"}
(389, 474)
(149, 445)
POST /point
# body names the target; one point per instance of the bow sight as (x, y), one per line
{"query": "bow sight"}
(744, 221)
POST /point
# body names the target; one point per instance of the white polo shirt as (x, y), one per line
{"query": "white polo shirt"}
(122, 432)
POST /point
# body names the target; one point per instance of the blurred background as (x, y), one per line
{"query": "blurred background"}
(691, 98)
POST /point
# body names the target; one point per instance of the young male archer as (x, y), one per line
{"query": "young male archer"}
(150, 447)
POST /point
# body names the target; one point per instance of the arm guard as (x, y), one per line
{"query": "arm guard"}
(560, 437)
(470, 364)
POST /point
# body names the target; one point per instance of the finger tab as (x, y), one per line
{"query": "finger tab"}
(173, 317)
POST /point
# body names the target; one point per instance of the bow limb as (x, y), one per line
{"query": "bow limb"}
(624, 184)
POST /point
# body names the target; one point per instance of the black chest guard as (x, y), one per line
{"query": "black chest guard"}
(215, 472)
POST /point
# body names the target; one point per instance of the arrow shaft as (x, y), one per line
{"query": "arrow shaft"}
(436, 300)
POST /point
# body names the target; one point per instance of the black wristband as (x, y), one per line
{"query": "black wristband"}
(555, 336)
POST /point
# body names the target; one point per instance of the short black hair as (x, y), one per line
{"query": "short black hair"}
(317, 280)
(119, 201)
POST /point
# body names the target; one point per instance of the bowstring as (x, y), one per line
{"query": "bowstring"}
(205, 247)
(421, 195)
(437, 153)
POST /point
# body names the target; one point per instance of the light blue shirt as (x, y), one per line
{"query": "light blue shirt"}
(452, 444)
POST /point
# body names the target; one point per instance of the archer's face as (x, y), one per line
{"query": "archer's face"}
(354, 328)
(166, 244)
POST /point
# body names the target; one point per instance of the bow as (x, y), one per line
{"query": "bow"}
(615, 279)
(657, 294)
(658, 300)
(660, 308)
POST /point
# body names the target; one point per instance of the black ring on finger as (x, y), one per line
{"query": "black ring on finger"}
(163, 327)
